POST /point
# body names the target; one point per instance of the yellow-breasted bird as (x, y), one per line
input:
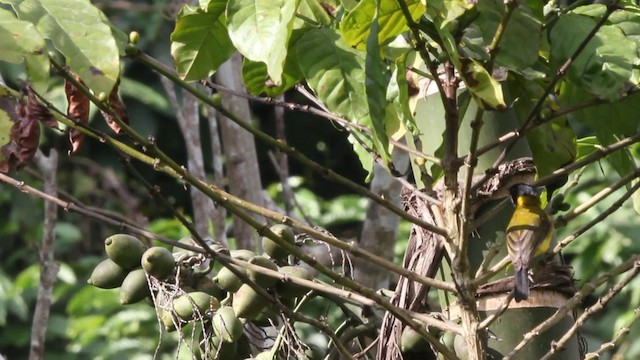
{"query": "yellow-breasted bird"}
(529, 234)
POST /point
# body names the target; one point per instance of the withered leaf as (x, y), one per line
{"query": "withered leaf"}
(78, 110)
(118, 108)
(35, 110)
(25, 133)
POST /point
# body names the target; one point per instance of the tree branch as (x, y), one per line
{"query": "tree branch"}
(48, 268)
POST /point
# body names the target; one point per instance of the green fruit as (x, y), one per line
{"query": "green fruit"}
(242, 254)
(168, 321)
(134, 37)
(125, 250)
(288, 290)
(158, 262)
(263, 280)
(226, 324)
(134, 287)
(208, 286)
(184, 307)
(228, 280)
(274, 250)
(222, 350)
(247, 303)
(268, 313)
(107, 275)
(412, 341)
(265, 355)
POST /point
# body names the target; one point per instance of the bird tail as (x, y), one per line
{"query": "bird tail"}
(521, 288)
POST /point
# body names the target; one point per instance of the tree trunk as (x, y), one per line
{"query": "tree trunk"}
(243, 172)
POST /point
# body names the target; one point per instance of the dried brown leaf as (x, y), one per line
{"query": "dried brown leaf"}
(118, 108)
(35, 110)
(25, 133)
(78, 110)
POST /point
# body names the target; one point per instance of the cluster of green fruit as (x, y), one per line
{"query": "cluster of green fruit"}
(222, 300)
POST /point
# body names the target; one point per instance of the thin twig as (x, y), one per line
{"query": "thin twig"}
(598, 219)
(620, 335)
(598, 306)
(571, 303)
(610, 189)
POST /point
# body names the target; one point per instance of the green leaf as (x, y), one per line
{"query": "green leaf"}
(313, 10)
(553, 144)
(610, 121)
(518, 48)
(486, 90)
(376, 81)
(605, 66)
(398, 94)
(146, 95)
(260, 30)
(199, 42)
(256, 77)
(81, 33)
(335, 72)
(20, 41)
(356, 26)
(445, 12)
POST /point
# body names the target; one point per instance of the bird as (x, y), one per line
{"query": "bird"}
(529, 234)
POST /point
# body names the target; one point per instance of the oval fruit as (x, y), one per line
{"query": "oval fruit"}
(134, 287)
(261, 279)
(158, 262)
(412, 341)
(125, 250)
(226, 324)
(242, 254)
(205, 284)
(228, 280)
(274, 250)
(107, 275)
(222, 350)
(184, 307)
(168, 321)
(247, 303)
(288, 290)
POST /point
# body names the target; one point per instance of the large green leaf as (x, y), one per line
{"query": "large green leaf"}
(199, 42)
(518, 48)
(609, 121)
(605, 66)
(256, 77)
(356, 26)
(376, 81)
(260, 30)
(552, 144)
(20, 41)
(81, 33)
(335, 72)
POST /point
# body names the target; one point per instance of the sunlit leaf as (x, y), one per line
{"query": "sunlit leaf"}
(356, 26)
(260, 30)
(200, 42)
(81, 33)
(335, 72)
(21, 42)
(486, 90)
